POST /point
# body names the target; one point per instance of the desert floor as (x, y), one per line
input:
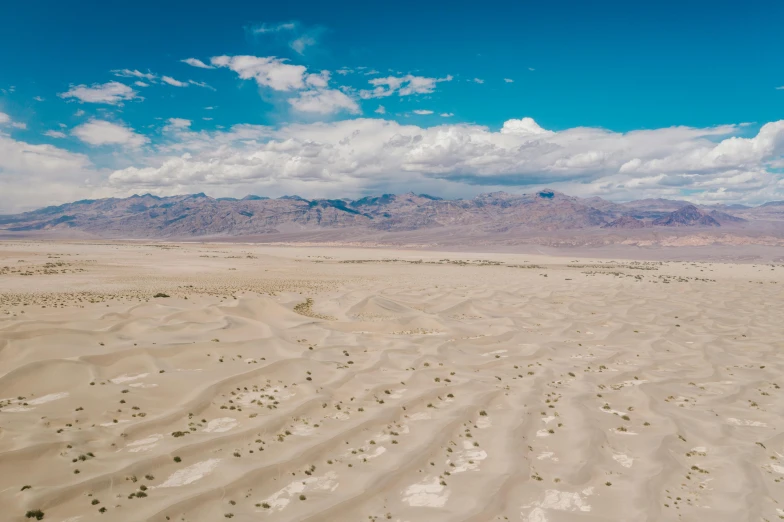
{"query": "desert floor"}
(345, 384)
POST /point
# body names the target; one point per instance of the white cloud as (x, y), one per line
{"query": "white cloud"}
(4, 118)
(79, 113)
(19, 125)
(172, 81)
(201, 84)
(361, 155)
(128, 73)
(422, 112)
(447, 114)
(508, 80)
(195, 62)
(177, 123)
(275, 28)
(269, 71)
(140, 83)
(54, 134)
(780, 88)
(324, 101)
(101, 132)
(302, 43)
(402, 85)
(344, 71)
(531, 69)
(111, 93)
(381, 110)
(38, 98)
(478, 80)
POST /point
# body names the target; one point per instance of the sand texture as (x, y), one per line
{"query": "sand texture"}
(312, 384)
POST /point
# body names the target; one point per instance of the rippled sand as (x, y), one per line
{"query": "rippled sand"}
(337, 384)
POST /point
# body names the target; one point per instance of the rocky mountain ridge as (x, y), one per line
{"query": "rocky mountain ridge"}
(198, 215)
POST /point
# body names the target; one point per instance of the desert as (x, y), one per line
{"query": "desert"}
(206, 381)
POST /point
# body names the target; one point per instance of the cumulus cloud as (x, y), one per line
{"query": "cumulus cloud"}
(381, 110)
(447, 114)
(274, 28)
(102, 132)
(172, 81)
(402, 85)
(4, 118)
(55, 134)
(38, 98)
(268, 71)
(111, 93)
(374, 154)
(478, 80)
(508, 80)
(195, 62)
(422, 112)
(297, 36)
(177, 123)
(140, 83)
(324, 101)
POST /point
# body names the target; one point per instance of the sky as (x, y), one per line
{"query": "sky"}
(622, 100)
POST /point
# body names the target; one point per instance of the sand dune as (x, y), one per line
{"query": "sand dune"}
(290, 384)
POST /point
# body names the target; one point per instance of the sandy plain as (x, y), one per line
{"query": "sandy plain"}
(309, 384)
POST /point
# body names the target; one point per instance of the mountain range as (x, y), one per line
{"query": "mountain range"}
(546, 211)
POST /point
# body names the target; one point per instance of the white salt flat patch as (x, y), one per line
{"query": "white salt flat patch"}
(48, 398)
(548, 420)
(142, 385)
(397, 394)
(221, 425)
(303, 430)
(497, 352)
(623, 460)
(107, 424)
(542, 433)
(423, 415)
(616, 412)
(558, 501)
(427, 493)
(282, 498)
(191, 474)
(623, 384)
(377, 452)
(128, 378)
(483, 423)
(777, 468)
(188, 370)
(145, 444)
(341, 415)
(468, 459)
(249, 360)
(700, 449)
(619, 432)
(547, 455)
(745, 422)
(25, 404)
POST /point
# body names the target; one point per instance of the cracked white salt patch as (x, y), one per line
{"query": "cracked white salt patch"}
(377, 452)
(468, 459)
(483, 423)
(142, 385)
(145, 444)
(745, 422)
(497, 352)
(341, 415)
(777, 468)
(700, 449)
(558, 501)
(221, 425)
(427, 493)
(282, 498)
(191, 474)
(423, 415)
(128, 378)
(543, 433)
(548, 420)
(107, 424)
(547, 455)
(623, 460)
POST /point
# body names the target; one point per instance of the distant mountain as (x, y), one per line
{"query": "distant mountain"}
(546, 211)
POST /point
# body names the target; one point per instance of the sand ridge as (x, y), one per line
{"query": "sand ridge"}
(333, 384)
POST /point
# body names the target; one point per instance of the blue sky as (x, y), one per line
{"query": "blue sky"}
(617, 99)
